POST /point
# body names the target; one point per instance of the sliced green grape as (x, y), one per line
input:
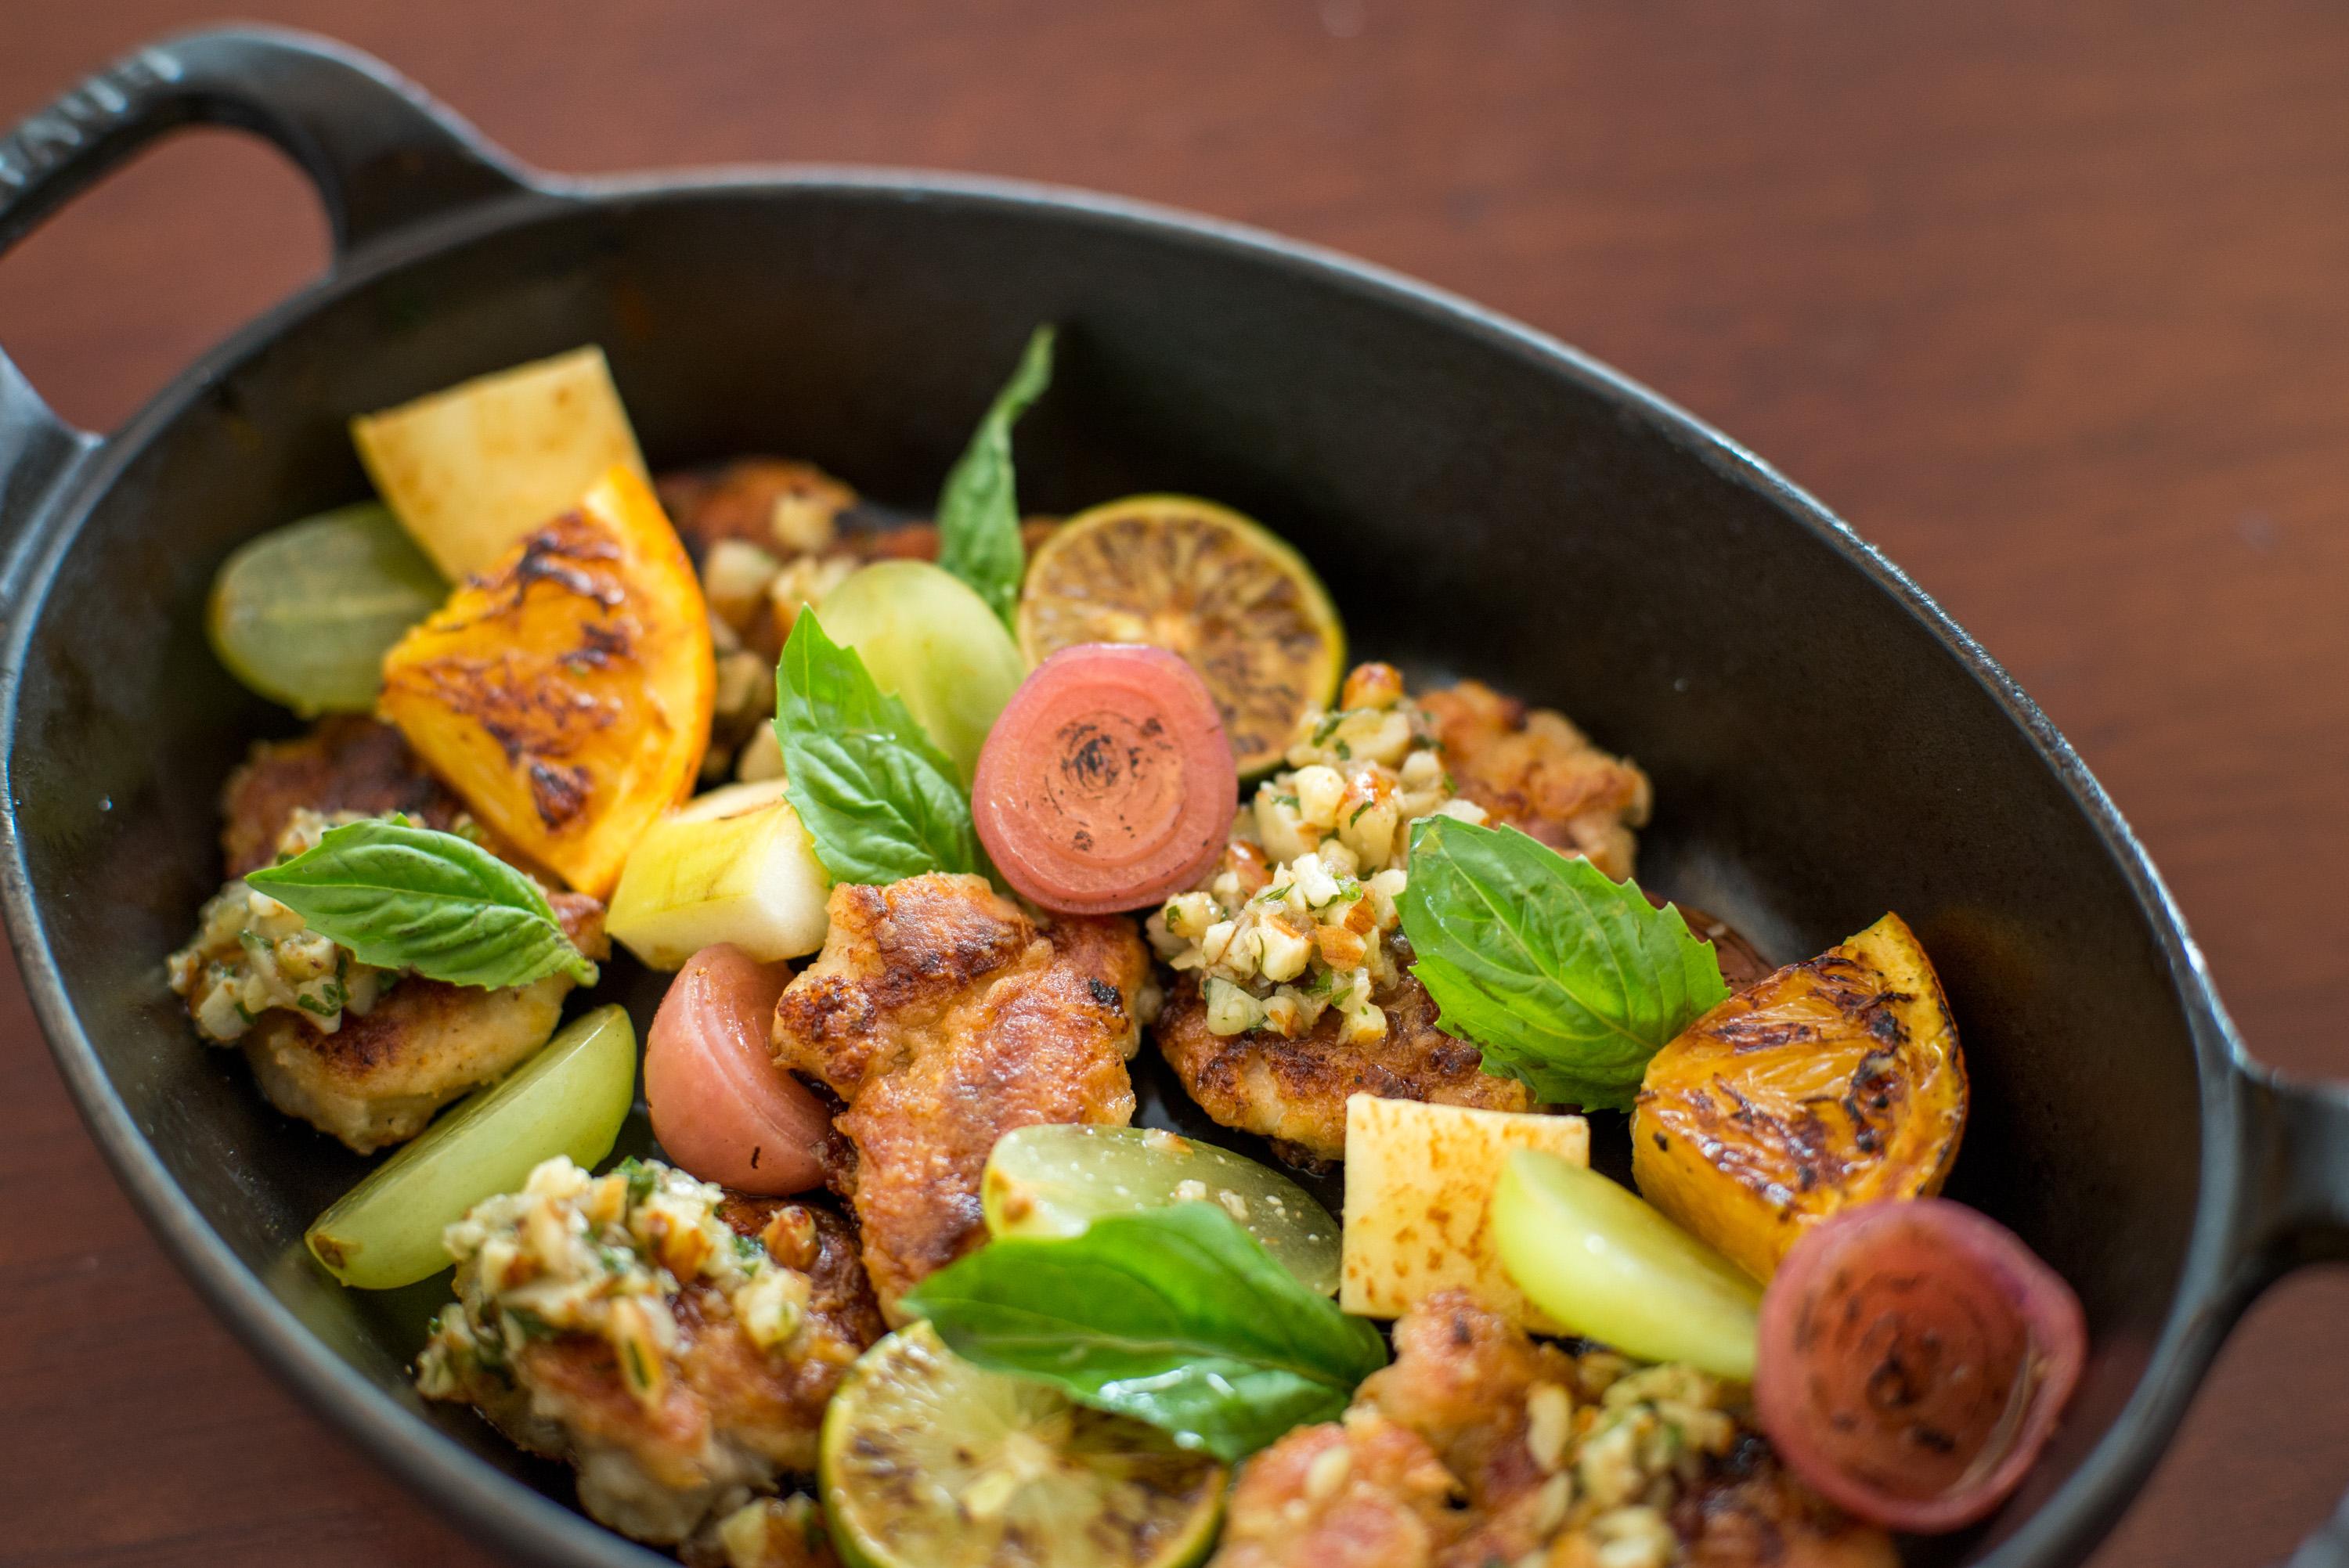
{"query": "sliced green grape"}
(304, 614)
(1056, 1181)
(924, 634)
(569, 1099)
(1598, 1259)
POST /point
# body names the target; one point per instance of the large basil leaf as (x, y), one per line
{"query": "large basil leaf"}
(1569, 980)
(1177, 1316)
(979, 515)
(880, 801)
(403, 897)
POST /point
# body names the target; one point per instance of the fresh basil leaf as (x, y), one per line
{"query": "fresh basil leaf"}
(880, 801)
(403, 897)
(978, 516)
(1177, 1316)
(1569, 980)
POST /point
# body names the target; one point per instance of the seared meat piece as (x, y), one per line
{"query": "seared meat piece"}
(1570, 1461)
(378, 1079)
(1532, 769)
(346, 763)
(1294, 1091)
(944, 1019)
(779, 505)
(357, 1052)
(1361, 1493)
(676, 1343)
(1295, 989)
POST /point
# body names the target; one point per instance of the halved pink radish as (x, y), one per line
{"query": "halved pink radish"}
(721, 1108)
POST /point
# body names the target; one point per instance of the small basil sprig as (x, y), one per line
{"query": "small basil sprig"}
(403, 897)
(1568, 979)
(1175, 1316)
(978, 516)
(880, 801)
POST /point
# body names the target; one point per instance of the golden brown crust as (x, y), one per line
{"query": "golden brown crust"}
(774, 1404)
(943, 1019)
(1295, 1091)
(1389, 1508)
(1533, 770)
(346, 763)
(378, 1079)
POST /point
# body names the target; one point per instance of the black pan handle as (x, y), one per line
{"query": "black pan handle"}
(2298, 1154)
(383, 156)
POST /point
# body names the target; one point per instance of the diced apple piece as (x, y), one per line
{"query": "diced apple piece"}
(733, 865)
(1419, 1192)
(471, 470)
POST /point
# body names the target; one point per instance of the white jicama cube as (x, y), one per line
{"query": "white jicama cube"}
(733, 865)
(471, 470)
(1419, 1189)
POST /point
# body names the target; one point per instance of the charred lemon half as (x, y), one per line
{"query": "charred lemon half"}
(1834, 1082)
(565, 694)
(1199, 580)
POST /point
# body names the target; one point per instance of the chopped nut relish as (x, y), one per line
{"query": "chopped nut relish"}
(1300, 915)
(251, 953)
(603, 1256)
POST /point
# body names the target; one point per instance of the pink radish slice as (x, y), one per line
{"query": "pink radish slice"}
(1914, 1359)
(721, 1108)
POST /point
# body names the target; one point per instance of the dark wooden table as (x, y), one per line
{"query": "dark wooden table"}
(2054, 308)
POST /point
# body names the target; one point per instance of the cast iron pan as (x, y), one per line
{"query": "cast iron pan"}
(1825, 743)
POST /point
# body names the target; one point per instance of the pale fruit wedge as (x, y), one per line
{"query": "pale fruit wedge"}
(471, 470)
(1419, 1178)
(733, 865)
(1604, 1264)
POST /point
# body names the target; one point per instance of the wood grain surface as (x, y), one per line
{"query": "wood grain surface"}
(2050, 305)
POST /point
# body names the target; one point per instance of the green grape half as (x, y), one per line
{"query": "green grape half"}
(570, 1098)
(304, 614)
(1594, 1256)
(1055, 1181)
(924, 634)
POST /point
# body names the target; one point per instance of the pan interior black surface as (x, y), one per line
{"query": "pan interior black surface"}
(1818, 755)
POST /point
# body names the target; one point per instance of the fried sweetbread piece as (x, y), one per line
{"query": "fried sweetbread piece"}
(1479, 1445)
(346, 763)
(1531, 768)
(378, 1079)
(943, 1018)
(676, 1344)
(1294, 1091)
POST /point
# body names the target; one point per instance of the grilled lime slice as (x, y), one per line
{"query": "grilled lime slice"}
(1220, 589)
(304, 614)
(1047, 1181)
(931, 1463)
(570, 1098)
